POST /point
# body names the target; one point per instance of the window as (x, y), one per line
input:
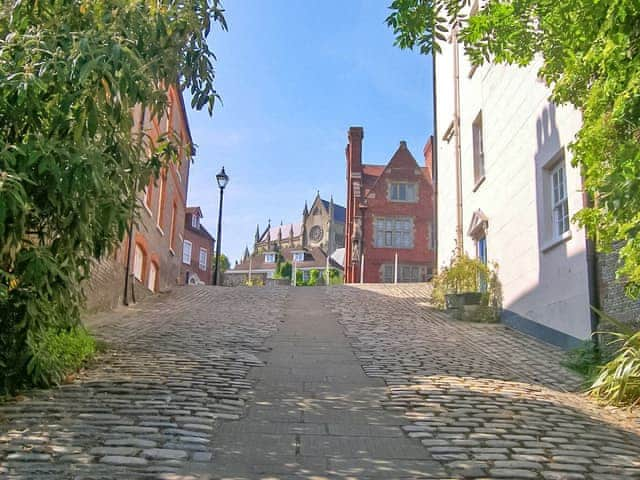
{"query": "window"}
(402, 192)
(203, 259)
(387, 274)
(481, 249)
(478, 150)
(172, 230)
(270, 258)
(161, 192)
(298, 256)
(153, 275)
(195, 221)
(186, 252)
(393, 232)
(559, 201)
(138, 262)
(408, 273)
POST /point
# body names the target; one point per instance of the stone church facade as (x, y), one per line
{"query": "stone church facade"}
(309, 244)
(322, 226)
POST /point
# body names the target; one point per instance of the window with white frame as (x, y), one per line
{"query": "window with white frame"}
(195, 221)
(559, 200)
(203, 259)
(478, 149)
(298, 257)
(393, 232)
(402, 192)
(270, 258)
(186, 252)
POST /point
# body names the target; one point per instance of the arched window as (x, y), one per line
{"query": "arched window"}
(139, 261)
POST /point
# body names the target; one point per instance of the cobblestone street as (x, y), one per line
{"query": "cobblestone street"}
(348, 383)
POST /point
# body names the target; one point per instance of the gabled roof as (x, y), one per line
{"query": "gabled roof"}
(285, 229)
(192, 210)
(373, 173)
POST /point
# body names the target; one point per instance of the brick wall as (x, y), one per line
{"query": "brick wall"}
(105, 288)
(199, 240)
(159, 226)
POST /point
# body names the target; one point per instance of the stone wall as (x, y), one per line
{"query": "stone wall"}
(613, 300)
(105, 288)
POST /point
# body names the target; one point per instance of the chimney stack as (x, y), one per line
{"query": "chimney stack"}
(354, 148)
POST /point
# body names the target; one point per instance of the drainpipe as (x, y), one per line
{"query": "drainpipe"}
(434, 164)
(592, 270)
(456, 130)
(127, 273)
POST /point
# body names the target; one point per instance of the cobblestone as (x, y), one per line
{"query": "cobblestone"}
(175, 367)
(484, 396)
(440, 398)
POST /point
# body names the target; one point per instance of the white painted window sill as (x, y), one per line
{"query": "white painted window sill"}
(551, 244)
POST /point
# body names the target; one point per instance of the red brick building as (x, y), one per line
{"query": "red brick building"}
(390, 215)
(156, 248)
(197, 250)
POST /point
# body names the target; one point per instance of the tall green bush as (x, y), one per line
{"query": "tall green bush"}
(71, 159)
(467, 275)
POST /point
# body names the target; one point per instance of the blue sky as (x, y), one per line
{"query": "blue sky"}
(294, 76)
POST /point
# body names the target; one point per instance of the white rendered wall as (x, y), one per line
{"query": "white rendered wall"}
(522, 131)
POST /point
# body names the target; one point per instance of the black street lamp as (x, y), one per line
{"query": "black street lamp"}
(222, 178)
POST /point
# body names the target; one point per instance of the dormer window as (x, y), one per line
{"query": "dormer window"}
(269, 258)
(298, 257)
(195, 221)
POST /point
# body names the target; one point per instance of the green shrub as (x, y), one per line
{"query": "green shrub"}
(335, 277)
(283, 271)
(314, 278)
(618, 381)
(56, 353)
(585, 359)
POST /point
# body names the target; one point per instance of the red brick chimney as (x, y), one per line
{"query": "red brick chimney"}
(354, 149)
(354, 176)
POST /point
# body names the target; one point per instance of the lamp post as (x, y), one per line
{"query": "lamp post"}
(222, 178)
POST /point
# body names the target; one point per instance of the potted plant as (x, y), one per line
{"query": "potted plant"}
(468, 286)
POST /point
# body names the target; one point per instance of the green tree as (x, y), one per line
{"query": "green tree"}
(590, 59)
(71, 158)
(224, 264)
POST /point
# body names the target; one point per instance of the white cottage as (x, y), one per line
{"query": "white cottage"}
(507, 190)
